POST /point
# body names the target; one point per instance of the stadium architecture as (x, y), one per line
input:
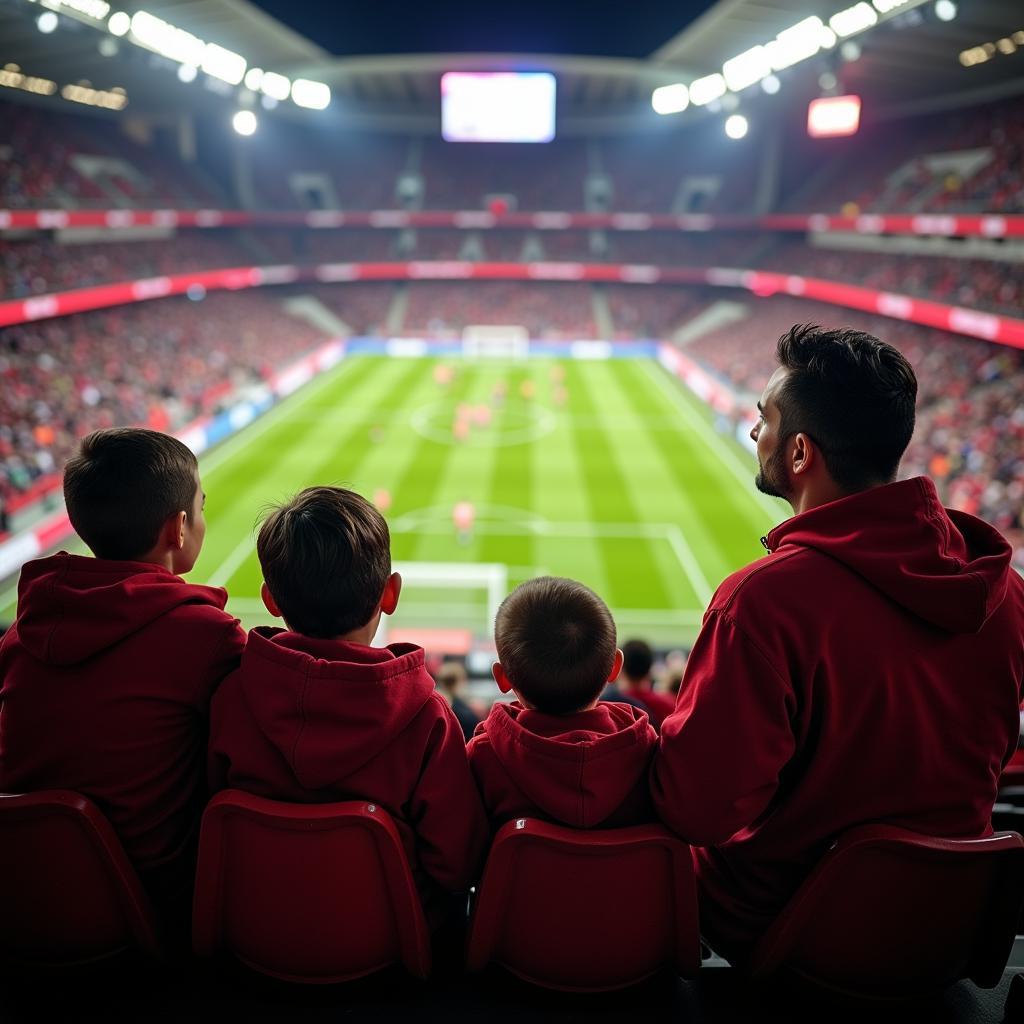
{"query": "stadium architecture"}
(525, 303)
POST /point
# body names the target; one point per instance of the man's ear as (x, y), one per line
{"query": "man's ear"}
(268, 600)
(173, 534)
(392, 591)
(500, 678)
(616, 666)
(804, 456)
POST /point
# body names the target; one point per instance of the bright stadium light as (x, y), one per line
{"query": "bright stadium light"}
(187, 72)
(276, 86)
(945, 10)
(798, 43)
(853, 20)
(119, 23)
(736, 126)
(253, 78)
(224, 64)
(706, 89)
(47, 22)
(827, 81)
(165, 39)
(312, 95)
(747, 68)
(850, 51)
(771, 84)
(244, 122)
(670, 99)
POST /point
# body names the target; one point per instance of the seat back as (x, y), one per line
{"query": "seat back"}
(69, 894)
(889, 913)
(586, 911)
(315, 893)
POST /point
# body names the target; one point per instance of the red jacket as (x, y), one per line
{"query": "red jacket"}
(584, 770)
(106, 677)
(315, 721)
(867, 670)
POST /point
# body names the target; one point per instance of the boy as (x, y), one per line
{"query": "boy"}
(107, 673)
(315, 714)
(559, 752)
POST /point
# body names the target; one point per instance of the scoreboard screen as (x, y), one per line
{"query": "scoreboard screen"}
(498, 106)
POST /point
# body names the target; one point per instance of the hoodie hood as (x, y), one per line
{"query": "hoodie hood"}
(305, 693)
(946, 567)
(71, 608)
(579, 768)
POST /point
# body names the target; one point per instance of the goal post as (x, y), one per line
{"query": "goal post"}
(495, 341)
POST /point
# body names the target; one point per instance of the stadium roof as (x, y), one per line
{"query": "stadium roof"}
(906, 64)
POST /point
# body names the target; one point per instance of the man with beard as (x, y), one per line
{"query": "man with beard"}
(868, 669)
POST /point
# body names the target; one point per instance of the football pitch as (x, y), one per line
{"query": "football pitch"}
(605, 471)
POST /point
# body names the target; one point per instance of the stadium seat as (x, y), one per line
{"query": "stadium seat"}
(312, 893)
(69, 896)
(585, 911)
(891, 914)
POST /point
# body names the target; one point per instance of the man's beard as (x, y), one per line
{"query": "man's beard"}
(771, 476)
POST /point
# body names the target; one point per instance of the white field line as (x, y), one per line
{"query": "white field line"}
(691, 567)
(239, 553)
(730, 459)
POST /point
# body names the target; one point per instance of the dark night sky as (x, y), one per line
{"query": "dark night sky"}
(616, 28)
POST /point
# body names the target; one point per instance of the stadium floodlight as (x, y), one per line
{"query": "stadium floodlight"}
(276, 86)
(224, 64)
(47, 22)
(795, 44)
(119, 23)
(771, 84)
(853, 20)
(244, 122)
(707, 89)
(850, 51)
(885, 6)
(165, 39)
(945, 10)
(670, 99)
(736, 126)
(253, 78)
(187, 72)
(746, 68)
(312, 95)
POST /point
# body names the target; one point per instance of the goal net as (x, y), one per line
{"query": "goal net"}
(495, 341)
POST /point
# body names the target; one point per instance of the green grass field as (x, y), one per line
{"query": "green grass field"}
(619, 482)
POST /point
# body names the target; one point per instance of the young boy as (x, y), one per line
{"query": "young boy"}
(107, 673)
(315, 714)
(559, 752)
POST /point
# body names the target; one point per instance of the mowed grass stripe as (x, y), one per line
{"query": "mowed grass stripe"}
(700, 496)
(631, 564)
(510, 481)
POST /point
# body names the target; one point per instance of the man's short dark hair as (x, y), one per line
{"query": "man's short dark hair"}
(637, 659)
(326, 557)
(853, 395)
(556, 643)
(123, 484)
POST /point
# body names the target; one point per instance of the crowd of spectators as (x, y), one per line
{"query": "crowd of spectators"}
(160, 364)
(970, 425)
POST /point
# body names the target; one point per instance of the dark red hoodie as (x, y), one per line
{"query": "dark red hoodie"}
(867, 670)
(106, 677)
(314, 721)
(584, 770)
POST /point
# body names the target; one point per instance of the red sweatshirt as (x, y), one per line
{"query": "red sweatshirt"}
(315, 721)
(584, 770)
(106, 677)
(867, 670)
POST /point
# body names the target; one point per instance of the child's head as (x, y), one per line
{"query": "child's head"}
(556, 645)
(637, 659)
(134, 495)
(326, 558)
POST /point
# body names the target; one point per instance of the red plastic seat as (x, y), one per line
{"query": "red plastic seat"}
(586, 911)
(314, 893)
(891, 914)
(69, 895)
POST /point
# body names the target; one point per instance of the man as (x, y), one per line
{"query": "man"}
(635, 683)
(867, 670)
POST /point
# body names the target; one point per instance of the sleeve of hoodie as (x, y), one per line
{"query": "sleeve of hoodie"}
(446, 813)
(224, 657)
(722, 749)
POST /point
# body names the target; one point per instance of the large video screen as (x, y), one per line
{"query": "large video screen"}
(498, 106)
